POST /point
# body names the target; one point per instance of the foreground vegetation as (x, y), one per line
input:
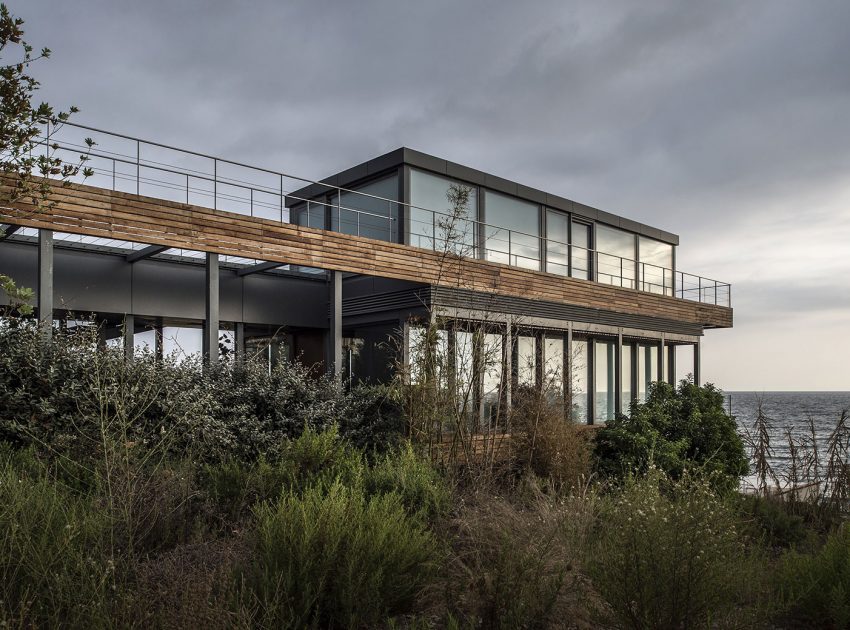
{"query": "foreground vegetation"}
(153, 493)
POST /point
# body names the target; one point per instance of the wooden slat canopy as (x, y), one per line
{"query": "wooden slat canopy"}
(98, 212)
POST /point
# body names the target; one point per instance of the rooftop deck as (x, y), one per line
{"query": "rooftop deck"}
(146, 192)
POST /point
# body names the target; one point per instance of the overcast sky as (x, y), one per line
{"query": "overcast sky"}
(727, 123)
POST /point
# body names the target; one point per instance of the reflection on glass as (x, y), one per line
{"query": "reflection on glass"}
(626, 379)
(647, 369)
(513, 231)
(492, 378)
(362, 215)
(615, 256)
(580, 256)
(434, 223)
(603, 360)
(580, 380)
(464, 349)
(526, 361)
(553, 368)
(557, 238)
(310, 214)
(656, 266)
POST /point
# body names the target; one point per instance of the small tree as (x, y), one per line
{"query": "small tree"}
(675, 429)
(27, 160)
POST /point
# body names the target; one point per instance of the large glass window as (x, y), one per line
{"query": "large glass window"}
(604, 386)
(647, 369)
(464, 365)
(626, 379)
(513, 231)
(491, 360)
(553, 368)
(580, 380)
(364, 214)
(526, 361)
(580, 255)
(309, 214)
(557, 237)
(656, 266)
(615, 256)
(435, 223)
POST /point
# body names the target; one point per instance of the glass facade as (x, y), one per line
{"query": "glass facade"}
(362, 215)
(434, 223)
(310, 214)
(580, 251)
(557, 239)
(604, 387)
(492, 387)
(553, 367)
(580, 380)
(656, 266)
(526, 357)
(615, 257)
(512, 233)
(626, 379)
(647, 368)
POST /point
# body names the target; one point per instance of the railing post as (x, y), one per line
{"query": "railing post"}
(187, 189)
(113, 173)
(281, 199)
(510, 249)
(433, 230)
(699, 288)
(215, 184)
(251, 192)
(138, 164)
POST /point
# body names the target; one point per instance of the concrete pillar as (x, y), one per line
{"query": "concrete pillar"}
(45, 282)
(211, 314)
(129, 335)
(508, 376)
(697, 375)
(239, 341)
(334, 338)
(618, 374)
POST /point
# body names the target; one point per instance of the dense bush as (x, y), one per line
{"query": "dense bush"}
(59, 396)
(675, 429)
(669, 554)
(817, 587)
(337, 558)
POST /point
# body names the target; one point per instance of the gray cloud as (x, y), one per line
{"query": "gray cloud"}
(725, 122)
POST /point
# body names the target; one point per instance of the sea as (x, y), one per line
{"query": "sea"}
(789, 413)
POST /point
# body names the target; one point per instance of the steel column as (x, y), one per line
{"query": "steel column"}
(697, 360)
(45, 282)
(334, 345)
(129, 335)
(212, 315)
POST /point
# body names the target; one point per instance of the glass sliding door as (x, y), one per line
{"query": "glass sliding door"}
(604, 383)
(647, 368)
(492, 358)
(656, 266)
(615, 256)
(512, 231)
(580, 380)
(557, 239)
(526, 356)
(580, 250)
(553, 368)
(435, 223)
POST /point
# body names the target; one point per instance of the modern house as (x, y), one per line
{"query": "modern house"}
(346, 272)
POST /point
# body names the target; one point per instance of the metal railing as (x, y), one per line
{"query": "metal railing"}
(124, 163)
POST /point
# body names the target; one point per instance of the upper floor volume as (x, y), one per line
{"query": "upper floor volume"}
(416, 199)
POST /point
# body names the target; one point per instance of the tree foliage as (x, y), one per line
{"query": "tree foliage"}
(675, 429)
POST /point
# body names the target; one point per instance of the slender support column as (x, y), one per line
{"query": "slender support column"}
(672, 369)
(334, 345)
(45, 282)
(239, 341)
(212, 318)
(618, 374)
(129, 335)
(662, 358)
(568, 372)
(697, 360)
(158, 342)
(508, 375)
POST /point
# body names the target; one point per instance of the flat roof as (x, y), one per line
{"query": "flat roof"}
(410, 157)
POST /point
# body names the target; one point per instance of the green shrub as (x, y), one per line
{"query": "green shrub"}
(675, 429)
(817, 587)
(54, 568)
(670, 555)
(335, 558)
(423, 490)
(773, 522)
